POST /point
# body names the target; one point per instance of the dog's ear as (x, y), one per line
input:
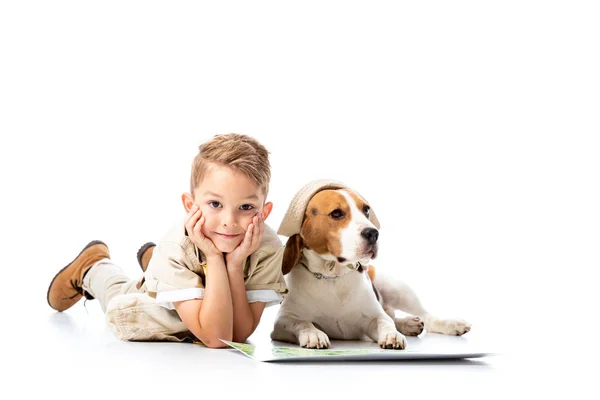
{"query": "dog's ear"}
(292, 253)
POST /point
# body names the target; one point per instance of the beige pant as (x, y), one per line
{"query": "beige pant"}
(130, 313)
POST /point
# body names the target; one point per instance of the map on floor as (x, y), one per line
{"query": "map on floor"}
(273, 353)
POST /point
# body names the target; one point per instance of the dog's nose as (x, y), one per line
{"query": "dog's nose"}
(370, 234)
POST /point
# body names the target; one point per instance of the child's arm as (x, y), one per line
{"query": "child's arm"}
(245, 316)
(210, 319)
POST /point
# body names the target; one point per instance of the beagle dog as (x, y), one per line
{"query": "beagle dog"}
(333, 291)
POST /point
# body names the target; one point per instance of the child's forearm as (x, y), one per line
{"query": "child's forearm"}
(243, 319)
(216, 314)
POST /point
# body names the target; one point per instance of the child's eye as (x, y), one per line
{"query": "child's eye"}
(214, 204)
(246, 207)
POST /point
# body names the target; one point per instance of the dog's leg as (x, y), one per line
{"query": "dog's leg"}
(304, 333)
(455, 327)
(383, 331)
(408, 326)
(397, 295)
(394, 297)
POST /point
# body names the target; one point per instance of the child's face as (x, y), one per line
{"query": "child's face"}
(228, 201)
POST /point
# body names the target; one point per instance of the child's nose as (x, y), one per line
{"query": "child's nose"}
(230, 220)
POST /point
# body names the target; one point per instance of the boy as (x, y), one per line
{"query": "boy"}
(211, 276)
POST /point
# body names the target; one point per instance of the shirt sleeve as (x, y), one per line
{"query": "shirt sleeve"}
(270, 297)
(170, 276)
(264, 271)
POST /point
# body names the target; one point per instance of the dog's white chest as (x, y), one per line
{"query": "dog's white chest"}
(340, 307)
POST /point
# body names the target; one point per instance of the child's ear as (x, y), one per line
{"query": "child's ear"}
(267, 208)
(187, 201)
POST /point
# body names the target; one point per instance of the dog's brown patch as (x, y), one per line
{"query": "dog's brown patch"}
(359, 201)
(371, 272)
(321, 232)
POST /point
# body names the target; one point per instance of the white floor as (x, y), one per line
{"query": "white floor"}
(75, 354)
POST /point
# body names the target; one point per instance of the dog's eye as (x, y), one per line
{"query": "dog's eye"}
(367, 210)
(337, 214)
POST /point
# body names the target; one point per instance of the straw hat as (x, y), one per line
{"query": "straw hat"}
(292, 221)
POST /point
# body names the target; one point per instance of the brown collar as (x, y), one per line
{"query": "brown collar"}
(318, 275)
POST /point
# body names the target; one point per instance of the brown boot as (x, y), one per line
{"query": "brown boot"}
(65, 289)
(144, 255)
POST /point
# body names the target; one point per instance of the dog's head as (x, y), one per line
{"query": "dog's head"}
(339, 225)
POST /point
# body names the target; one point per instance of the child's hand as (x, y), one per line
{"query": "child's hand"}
(193, 226)
(249, 245)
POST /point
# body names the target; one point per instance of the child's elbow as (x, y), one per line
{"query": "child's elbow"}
(213, 339)
(240, 338)
(214, 344)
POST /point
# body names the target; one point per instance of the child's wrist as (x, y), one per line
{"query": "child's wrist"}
(234, 266)
(213, 259)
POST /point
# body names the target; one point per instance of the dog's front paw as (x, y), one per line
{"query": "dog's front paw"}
(392, 339)
(313, 339)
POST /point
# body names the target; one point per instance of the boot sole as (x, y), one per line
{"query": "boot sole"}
(141, 252)
(90, 244)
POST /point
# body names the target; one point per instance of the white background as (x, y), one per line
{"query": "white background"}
(472, 128)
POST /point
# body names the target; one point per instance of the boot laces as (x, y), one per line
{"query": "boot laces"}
(78, 289)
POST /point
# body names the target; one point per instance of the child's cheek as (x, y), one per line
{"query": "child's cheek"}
(247, 221)
(207, 213)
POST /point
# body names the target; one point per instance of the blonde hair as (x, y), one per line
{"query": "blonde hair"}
(240, 152)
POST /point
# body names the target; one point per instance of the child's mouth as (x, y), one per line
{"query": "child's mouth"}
(224, 236)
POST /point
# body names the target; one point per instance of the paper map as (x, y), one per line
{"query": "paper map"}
(274, 353)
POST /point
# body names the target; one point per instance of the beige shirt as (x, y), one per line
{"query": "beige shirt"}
(178, 268)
